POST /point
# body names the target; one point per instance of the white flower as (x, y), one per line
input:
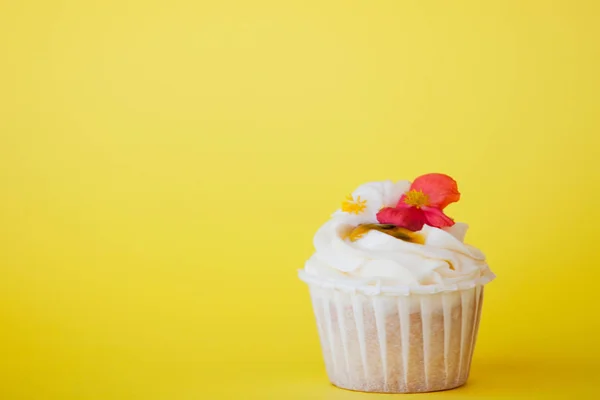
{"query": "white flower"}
(364, 203)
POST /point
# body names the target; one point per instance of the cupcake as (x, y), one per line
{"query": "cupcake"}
(396, 292)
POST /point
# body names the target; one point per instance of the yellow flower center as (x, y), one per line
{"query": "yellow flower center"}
(352, 206)
(416, 198)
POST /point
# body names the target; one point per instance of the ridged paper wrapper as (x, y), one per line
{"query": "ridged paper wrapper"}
(397, 340)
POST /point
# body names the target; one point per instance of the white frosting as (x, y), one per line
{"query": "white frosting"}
(443, 262)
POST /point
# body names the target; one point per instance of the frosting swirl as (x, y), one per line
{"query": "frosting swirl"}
(442, 260)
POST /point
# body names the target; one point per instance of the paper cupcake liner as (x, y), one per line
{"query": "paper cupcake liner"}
(397, 344)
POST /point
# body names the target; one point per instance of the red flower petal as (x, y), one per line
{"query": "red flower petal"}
(401, 202)
(436, 217)
(441, 189)
(410, 218)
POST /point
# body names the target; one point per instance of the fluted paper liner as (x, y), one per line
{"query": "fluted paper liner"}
(397, 343)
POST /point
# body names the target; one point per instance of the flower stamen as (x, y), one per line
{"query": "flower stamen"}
(352, 206)
(416, 198)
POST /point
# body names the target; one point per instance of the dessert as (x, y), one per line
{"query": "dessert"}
(396, 292)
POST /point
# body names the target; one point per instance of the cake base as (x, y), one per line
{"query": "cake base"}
(397, 344)
(364, 391)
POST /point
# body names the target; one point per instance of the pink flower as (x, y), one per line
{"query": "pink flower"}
(423, 204)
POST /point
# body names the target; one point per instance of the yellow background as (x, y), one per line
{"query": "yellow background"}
(165, 164)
